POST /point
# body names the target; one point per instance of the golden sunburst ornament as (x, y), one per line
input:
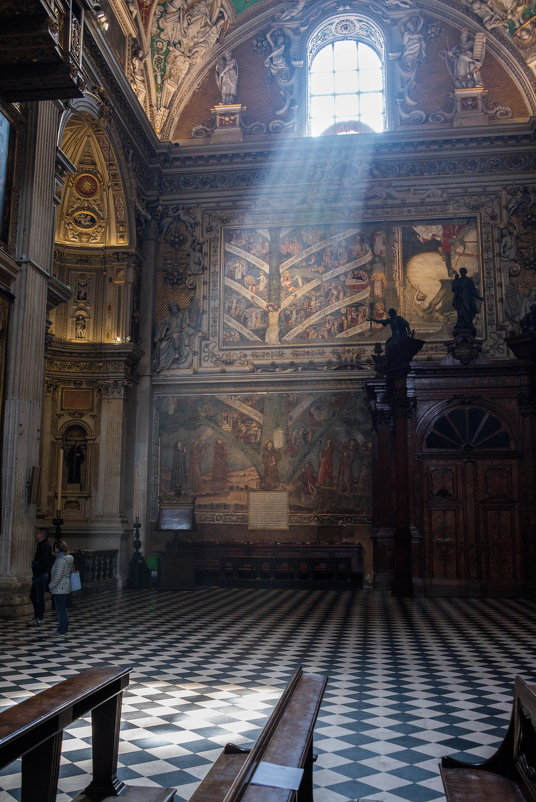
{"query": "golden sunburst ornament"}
(86, 185)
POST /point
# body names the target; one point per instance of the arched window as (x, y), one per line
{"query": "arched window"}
(467, 429)
(346, 77)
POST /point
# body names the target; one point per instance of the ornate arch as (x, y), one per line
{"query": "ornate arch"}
(94, 210)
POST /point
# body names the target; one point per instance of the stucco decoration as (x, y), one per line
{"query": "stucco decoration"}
(181, 265)
(93, 210)
(516, 17)
(517, 249)
(183, 33)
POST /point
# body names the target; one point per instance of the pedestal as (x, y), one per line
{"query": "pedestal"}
(227, 123)
(470, 105)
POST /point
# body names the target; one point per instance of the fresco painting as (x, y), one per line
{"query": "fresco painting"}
(315, 446)
(290, 286)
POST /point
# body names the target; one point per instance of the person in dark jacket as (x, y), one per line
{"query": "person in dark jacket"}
(41, 565)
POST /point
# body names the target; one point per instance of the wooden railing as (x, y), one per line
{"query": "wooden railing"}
(98, 569)
(33, 731)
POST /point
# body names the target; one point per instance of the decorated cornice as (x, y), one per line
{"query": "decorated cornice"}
(106, 72)
(114, 361)
(374, 160)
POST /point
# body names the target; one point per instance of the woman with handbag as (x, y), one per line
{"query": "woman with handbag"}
(60, 583)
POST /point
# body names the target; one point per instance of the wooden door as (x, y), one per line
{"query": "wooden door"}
(470, 509)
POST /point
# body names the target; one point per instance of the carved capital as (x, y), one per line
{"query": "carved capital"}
(117, 389)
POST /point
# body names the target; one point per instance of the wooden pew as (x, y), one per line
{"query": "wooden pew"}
(286, 740)
(510, 774)
(33, 730)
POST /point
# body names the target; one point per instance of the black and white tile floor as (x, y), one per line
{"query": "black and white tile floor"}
(409, 681)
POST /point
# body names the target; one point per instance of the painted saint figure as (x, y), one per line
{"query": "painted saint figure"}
(178, 467)
(325, 465)
(197, 450)
(270, 458)
(220, 464)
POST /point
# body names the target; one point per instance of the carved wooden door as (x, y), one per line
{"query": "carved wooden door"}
(470, 506)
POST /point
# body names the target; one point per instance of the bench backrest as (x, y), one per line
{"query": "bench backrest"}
(286, 738)
(27, 724)
(524, 742)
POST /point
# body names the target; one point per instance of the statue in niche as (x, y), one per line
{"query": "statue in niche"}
(74, 459)
(80, 327)
(170, 339)
(137, 80)
(227, 78)
(464, 301)
(465, 60)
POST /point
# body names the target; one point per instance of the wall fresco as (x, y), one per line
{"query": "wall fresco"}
(322, 283)
(315, 446)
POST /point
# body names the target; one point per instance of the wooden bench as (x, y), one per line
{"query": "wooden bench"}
(286, 740)
(510, 774)
(33, 730)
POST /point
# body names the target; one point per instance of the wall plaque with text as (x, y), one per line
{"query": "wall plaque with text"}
(268, 509)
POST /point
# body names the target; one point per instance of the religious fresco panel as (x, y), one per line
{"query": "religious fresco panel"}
(316, 446)
(303, 284)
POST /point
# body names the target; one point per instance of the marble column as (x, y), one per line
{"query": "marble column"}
(111, 452)
(25, 358)
(144, 462)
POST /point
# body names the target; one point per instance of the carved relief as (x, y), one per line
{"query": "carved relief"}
(183, 32)
(517, 248)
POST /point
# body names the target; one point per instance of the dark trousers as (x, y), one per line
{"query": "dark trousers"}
(60, 603)
(37, 595)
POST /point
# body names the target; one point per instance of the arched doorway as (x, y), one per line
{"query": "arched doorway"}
(470, 508)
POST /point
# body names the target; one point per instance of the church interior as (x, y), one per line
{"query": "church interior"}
(267, 364)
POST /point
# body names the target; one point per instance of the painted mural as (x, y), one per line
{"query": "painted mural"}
(328, 283)
(315, 446)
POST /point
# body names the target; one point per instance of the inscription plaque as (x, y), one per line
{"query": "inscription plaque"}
(268, 509)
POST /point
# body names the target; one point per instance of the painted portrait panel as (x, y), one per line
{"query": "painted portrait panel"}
(315, 446)
(6, 166)
(291, 286)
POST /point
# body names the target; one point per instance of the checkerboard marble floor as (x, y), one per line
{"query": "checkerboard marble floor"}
(409, 681)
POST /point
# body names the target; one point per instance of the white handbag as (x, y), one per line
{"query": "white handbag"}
(76, 584)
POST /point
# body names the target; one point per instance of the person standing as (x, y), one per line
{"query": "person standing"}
(60, 583)
(41, 564)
